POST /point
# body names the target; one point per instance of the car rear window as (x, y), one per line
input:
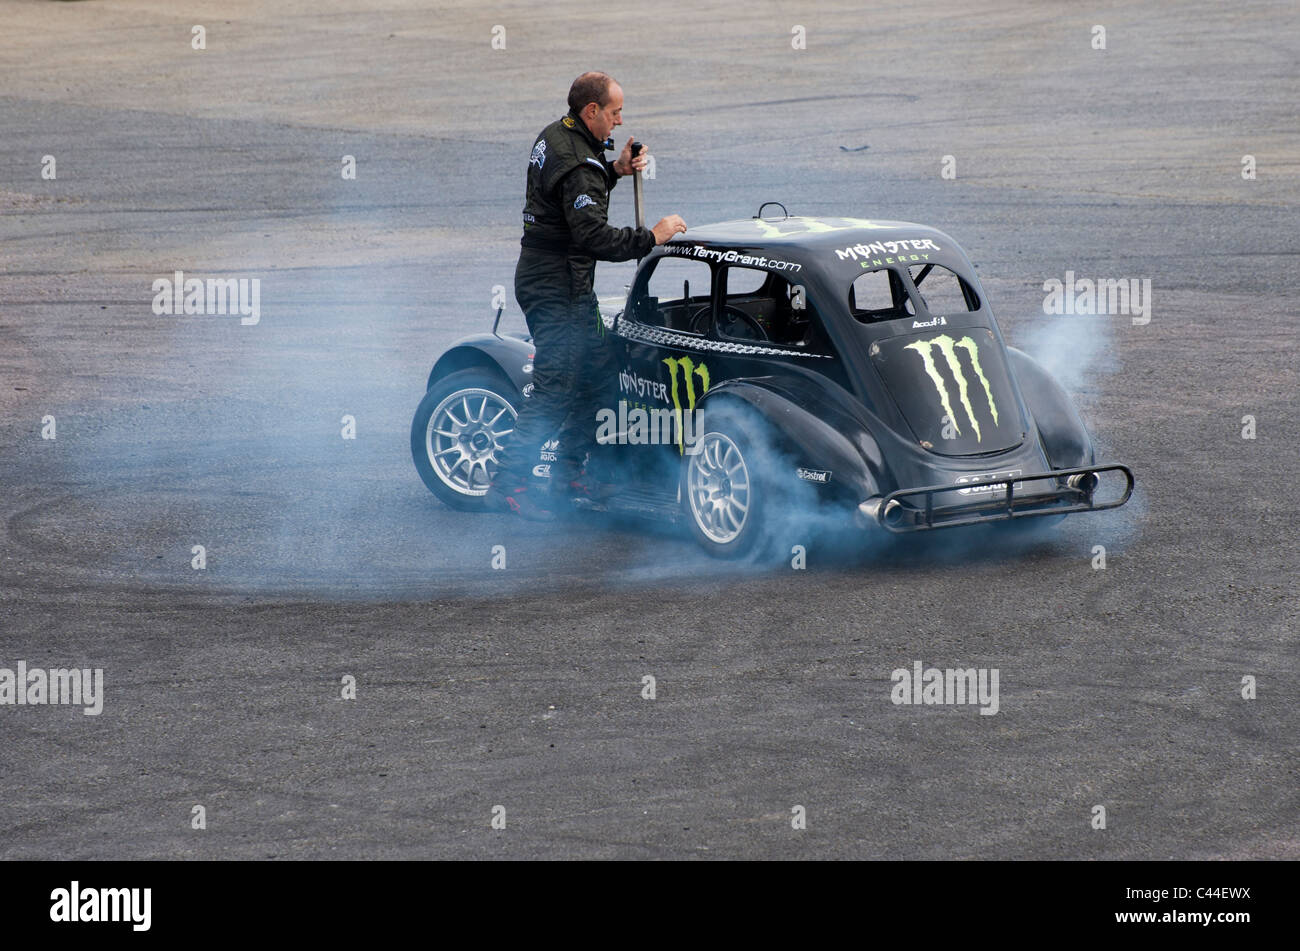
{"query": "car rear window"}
(879, 295)
(942, 291)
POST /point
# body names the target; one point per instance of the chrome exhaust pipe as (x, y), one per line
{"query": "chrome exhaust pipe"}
(871, 512)
(1085, 481)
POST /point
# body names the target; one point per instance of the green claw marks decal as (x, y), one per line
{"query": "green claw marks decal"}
(948, 347)
(969, 345)
(689, 372)
(783, 226)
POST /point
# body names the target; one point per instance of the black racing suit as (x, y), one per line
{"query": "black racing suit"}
(566, 231)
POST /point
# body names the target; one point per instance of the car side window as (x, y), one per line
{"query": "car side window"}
(942, 291)
(677, 295)
(763, 306)
(879, 295)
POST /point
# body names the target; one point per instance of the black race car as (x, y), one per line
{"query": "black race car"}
(770, 366)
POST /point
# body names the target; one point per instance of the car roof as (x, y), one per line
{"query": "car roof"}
(806, 232)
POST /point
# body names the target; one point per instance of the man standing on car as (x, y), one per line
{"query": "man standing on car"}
(566, 230)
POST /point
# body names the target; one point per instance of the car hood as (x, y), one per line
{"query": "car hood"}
(953, 389)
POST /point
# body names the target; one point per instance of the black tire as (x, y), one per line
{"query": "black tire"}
(725, 492)
(456, 458)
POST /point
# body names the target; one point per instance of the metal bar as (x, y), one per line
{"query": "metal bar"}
(1009, 506)
(638, 198)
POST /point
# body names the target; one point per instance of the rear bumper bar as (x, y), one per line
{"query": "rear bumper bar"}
(1058, 492)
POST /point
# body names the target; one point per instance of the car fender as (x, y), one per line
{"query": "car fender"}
(507, 353)
(837, 445)
(1061, 431)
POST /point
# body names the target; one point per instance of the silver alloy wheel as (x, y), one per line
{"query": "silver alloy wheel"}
(718, 488)
(463, 438)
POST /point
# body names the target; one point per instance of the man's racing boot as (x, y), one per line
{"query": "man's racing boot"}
(584, 487)
(519, 500)
(598, 479)
(593, 489)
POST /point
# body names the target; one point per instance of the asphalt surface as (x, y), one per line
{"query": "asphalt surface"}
(522, 687)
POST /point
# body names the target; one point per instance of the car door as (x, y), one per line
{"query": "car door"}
(667, 364)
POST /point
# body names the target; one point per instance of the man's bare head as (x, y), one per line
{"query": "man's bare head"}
(589, 87)
(596, 99)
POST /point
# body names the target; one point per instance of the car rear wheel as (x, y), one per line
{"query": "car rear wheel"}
(723, 491)
(458, 432)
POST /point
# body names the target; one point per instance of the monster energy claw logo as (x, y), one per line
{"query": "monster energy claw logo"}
(948, 347)
(689, 372)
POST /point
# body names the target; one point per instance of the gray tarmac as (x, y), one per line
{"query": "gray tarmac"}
(522, 688)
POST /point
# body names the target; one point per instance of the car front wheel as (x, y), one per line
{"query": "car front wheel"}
(458, 432)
